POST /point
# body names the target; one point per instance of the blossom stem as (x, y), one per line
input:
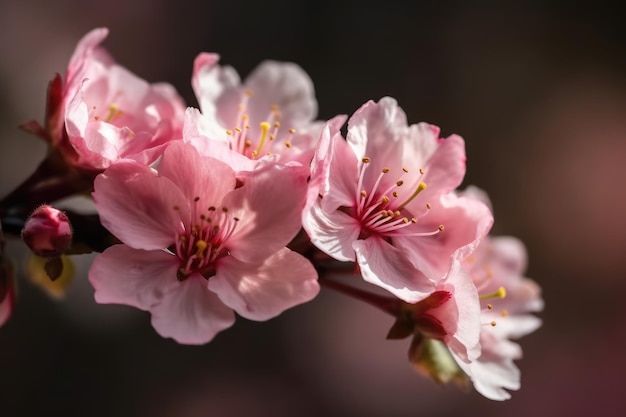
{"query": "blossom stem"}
(52, 180)
(389, 305)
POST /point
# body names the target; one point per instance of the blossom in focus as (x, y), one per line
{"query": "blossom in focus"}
(199, 244)
(383, 198)
(47, 232)
(271, 113)
(497, 268)
(103, 113)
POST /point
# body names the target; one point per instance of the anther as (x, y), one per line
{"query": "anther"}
(489, 306)
(406, 171)
(441, 228)
(363, 193)
(288, 144)
(493, 323)
(421, 171)
(229, 132)
(366, 160)
(385, 199)
(292, 130)
(399, 183)
(395, 194)
(196, 199)
(385, 170)
(504, 313)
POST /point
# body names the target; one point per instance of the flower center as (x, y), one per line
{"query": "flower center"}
(255, 144)
(382, 209)
(201, 244)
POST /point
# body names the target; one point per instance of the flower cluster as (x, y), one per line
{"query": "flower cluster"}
(229, 208)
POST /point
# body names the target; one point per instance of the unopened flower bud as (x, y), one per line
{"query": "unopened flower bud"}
(47, 232)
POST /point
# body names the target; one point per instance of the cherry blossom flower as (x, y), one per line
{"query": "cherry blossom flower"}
(496, 268)
(103, 112)
(198, 244)
(47, 232)
(271, 113)
(383, 198)
(451, 314)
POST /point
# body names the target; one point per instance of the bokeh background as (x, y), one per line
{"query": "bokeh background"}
(538, 91)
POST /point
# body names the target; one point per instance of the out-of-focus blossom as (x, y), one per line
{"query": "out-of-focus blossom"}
(497, 268)
(7, 288)
(103, 113)
(191, 223)
(53, 283)
(383, 198)
(450, 314)
(270, 114)
(47, 232)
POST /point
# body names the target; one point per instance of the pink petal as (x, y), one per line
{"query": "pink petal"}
(263, 291)
(443, 161)
(212, 84)
(283, 84)
(137, 206)
(340, 177)
(85, 50)
(465, 340)
(331, 233)
(466, 222)
(195, 175)
(123, 275)
(377, 130)
(268, 206)
(511, 252)
(191, 314)
(385, 266)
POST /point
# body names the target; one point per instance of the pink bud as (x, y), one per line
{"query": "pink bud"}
(47, 232)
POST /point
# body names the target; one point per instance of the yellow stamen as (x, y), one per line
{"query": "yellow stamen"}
(420, 187)
(500, 293)
(113, 113)
(265, 127)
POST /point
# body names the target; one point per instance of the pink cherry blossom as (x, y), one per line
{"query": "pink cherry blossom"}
(451, 314)
(508, 298)
(198, 244)
(108, 112)
(383, 198)
(271, 113)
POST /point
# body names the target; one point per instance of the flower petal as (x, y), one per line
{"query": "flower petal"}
(465, 342)
(263, 291)
(137, 206)
(138, 278)
(376, 130)
(285, 85)
(443, 160)
(216, 89)
(466, 222)
(385, 266)
(191, 314)
(195, 175)
(331, 233)
(268, 206)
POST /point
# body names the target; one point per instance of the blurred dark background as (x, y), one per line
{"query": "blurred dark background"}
(538, 91)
